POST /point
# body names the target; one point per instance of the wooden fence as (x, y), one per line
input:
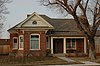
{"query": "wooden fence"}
(4, 46)
(4, 49)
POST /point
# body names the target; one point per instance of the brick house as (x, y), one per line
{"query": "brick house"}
(37, 33)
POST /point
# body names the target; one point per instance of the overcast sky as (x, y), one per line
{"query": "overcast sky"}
(20, 8)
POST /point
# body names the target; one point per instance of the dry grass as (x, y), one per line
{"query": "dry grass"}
(80, 58)
(30, 61)
(98, 59)
(86, 59)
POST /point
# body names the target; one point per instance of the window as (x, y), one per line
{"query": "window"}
(34, 22)
(15, 43)
(73, 43)
(34, 42)
(47, 43)
(21, 42)
(70, 43)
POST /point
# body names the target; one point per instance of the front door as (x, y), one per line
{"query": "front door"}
(58, 45)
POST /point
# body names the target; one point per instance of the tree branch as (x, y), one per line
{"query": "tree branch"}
(76, 5)
(97, 25)
(86, 5)
(96, 19)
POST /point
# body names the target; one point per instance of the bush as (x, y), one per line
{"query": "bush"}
(48, 52)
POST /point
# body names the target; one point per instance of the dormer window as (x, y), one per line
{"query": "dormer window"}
(34, 22)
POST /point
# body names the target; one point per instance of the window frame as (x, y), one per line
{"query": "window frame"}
(14, 43)
(20, 42)
(34, 22)
(39, 41)
(47, 43)
(70, 44)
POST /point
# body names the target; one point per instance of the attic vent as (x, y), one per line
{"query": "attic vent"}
(34, 22)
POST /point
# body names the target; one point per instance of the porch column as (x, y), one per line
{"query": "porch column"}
(64, 42)
(51, 45)
(85, 45)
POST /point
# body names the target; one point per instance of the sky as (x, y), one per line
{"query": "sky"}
(18, 12)
(20, 8)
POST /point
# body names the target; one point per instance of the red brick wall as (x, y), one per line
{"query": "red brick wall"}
(42, 43)
(80, 45)
(27, 42)
(11, 40)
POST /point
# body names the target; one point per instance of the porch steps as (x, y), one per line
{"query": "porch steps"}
(58, 55)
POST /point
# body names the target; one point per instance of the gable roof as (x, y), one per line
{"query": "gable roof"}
(22, 24)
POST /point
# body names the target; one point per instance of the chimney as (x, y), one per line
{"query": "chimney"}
(28, 15)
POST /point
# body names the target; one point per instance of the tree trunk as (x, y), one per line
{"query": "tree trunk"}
(92, 52)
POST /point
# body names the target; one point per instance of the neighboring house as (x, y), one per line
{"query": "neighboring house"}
(37, 33)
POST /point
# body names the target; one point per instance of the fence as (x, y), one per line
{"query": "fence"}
(4, 46)
(4, 49)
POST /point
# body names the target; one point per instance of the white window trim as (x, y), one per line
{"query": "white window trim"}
(39, 41)
(19, 42)
(48, 43)
(13, 42)
(71, 44)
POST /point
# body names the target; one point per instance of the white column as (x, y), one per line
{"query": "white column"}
(51, 45)
(64, 42)
(85, 45)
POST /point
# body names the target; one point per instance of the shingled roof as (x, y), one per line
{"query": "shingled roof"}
(62, 26)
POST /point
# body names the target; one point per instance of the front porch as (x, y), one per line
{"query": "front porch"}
(68, 45)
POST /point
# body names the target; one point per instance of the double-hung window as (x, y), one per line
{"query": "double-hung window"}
(73, 43)
(21, 42)
(15, 43)
(70, 43)
(34, 41)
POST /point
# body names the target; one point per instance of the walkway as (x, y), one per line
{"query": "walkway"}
(67, 59)
(70, 60)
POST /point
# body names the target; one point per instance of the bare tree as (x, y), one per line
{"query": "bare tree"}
(86, 14)
(3, 10)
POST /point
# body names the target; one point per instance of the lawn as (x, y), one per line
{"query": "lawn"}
(31, 61)
(86, 59)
